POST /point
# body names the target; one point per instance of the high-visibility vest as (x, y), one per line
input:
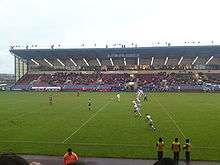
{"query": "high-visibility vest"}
(187, 147)
(160, 146)
(176, 146)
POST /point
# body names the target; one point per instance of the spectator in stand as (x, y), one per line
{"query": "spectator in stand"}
(69, 156)
(12, 159)
(155, 81)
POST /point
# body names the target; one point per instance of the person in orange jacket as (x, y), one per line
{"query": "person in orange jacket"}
(69, 156)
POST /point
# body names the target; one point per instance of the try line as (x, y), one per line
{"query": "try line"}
(67, 138)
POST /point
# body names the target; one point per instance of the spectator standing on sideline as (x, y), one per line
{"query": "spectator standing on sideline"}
(176, 150)
(187, 147)
(160, 148)
(69, 156)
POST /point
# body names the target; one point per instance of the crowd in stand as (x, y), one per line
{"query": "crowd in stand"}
(210, 78)
(161, 81)
(58, 79)
(168, 79)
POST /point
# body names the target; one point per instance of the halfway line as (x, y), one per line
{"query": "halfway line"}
(85, 122)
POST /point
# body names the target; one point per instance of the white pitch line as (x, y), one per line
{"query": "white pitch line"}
(29, 141)
(85, 122)
(92, 144)
(85, 144)
(165, 110)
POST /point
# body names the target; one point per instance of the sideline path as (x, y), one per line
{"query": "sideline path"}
(58, 160)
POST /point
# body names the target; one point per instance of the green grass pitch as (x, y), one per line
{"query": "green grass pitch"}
(30, 125)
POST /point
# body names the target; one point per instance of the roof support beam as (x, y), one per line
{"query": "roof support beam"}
(165, 63)
(60, 62)
(125, 61)
(152, 61)
(35, 62)
(73, 62)
(195, 60)
(85, 61)
(181, 59)
(48, 62)
(209, 60)
(98, 62)
(111, 61)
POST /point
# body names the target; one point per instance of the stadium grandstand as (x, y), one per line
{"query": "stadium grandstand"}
(167, 68)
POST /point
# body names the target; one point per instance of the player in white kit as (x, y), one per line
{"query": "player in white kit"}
(136, 109)
(149, 121)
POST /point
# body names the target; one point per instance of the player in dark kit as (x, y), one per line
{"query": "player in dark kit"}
(145, 97)
(50, 100)
(89, 104)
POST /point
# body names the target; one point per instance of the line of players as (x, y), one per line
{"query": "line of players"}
(137, 108)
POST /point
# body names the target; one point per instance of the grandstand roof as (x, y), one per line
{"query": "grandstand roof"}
(171, 51)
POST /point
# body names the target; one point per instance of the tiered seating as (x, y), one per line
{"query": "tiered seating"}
(80, 62)
(145, 61)
(215, 61)
(92, 62)
(118, 61)
(115, 78)
(131, 61)
(186, 61)
(211, 77)
(59, 79)
(26, 79)
(158, 62)
(105, 62)
(159, 81)
(172, 62)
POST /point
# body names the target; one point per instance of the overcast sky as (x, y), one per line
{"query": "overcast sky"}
(73, 22)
